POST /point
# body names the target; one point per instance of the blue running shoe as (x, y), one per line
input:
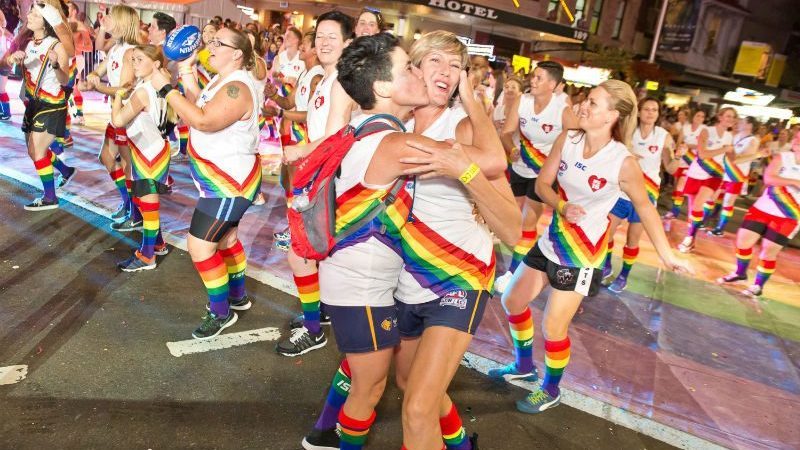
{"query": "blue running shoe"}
(537, 401)
(618, 285)
(510, 372)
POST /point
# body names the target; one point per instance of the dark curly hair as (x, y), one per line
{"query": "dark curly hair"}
(366, 60)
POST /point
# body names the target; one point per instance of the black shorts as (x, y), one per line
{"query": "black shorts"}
(459, 309)
(584, 280)
(45, 118)
(364, 329)
(523, 187)
(140, 188)
(213, 217)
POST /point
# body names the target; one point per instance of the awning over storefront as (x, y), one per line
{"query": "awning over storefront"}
(167, 6)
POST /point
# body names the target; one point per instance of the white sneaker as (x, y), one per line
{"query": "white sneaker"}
(687, 245)
(502, 282)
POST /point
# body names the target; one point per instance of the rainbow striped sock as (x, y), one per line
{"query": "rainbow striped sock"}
(677, 202)
(743, 257)
(308, 289)
(607, 262)
(629, 255)
(150, 226)
(136, 215)
(183, 136)
(118, 177)
(556, 358)
(215, 278)
(236, 262)
(5, 104)
(522, 248)
(725, 216)
(337, 394)
(78, 99)
(44, 168)
(765, 270)
(58, 164)
(695, 221)
(353, 432)
(521, 326)
(453, 433)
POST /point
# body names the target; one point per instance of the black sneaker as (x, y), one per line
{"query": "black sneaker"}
(64, 180)
(136, 263)
(298, 321)
(716, 232)
(301, 342)
(161, 250)
(321, 440)
(121, 211)
(127, 225)
(41, 204)
(212, 325)
(242, 304)
(474, 441)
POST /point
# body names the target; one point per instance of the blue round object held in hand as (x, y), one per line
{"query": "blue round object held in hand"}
(182, 42)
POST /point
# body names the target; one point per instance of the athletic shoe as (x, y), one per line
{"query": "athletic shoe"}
(702, 226)
(259, 200)
(687, 245)
(668, 216)
(502, 282)
(79, 120)
(753, 291)
(298, 321)
(242, 304)
(213, 325)
(63, 181)
(731, 278)
(68, 142)
(474, 441)
(715, 232)
(321, 440)
(618, 285)
(127, 225)
(301, 342)
(283, 245)
(136, 263)
(510, 372)
(607, 270)
(282, 236)
(161, 250)
(121, 211)
(5, 116)
(41, 204)
(537, 402)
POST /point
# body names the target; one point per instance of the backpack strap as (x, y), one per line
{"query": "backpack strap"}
(390, 198)
(45, 64)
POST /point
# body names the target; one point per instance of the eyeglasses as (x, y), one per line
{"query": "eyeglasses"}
(217, 43)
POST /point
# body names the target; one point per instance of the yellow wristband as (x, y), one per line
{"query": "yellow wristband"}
(120, 93)
(561, 205)
(469, 173)
(170, 92)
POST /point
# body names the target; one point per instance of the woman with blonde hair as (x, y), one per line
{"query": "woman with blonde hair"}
(123, 25)
(144, 117)
(593, 167)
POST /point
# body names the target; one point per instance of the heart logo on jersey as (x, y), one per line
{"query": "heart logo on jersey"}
(653, 148)
(115, 65)
(303, 90)
(319, 102)
(596, 183)
(546, 127)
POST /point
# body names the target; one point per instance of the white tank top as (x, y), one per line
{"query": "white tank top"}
(783, 201)
(224, 162)
(690, 138)
(302, 93)
(114, 63)
(319, 107)
(290, 69)
(537, 133)
(738, 172)
(143, 130)
(458, 251)
(594, 185)
(50, 90)
(703, 169)
(648, 155)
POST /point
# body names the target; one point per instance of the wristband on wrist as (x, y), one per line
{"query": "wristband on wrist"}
(469, 174)
(166, 89)
(166, 97)
(560, 207)
(120, 93)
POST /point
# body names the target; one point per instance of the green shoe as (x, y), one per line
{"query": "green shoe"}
(537, 402)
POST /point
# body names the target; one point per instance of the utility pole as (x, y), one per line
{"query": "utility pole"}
(659, 27)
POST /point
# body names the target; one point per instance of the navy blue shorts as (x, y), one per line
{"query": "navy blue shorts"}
(364, 329)
(213, 217)
(459, 309)
(624, 210)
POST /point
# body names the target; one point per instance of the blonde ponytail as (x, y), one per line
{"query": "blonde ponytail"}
(624, 101)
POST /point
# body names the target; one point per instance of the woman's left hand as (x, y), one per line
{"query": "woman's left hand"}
(677, 264)
(450, 162)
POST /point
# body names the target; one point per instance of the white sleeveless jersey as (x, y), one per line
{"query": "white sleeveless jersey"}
(783, 201)
(143, 130)
(319, 107)
(690, 138)
(444, 247)
(114, 63)
(224, 162)
(711, 167)
(648, 154)
(259, 84)
(290, 69)
(594, 185)
(739, 172)
(367, 267)
(302, 94)
(537, 133)
(50, 90)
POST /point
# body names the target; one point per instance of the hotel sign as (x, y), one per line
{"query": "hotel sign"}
(464, 8)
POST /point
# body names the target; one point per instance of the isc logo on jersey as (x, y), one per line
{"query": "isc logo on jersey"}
(457, 298)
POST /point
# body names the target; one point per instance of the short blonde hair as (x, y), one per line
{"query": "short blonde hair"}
(126, 19)
(440, 40)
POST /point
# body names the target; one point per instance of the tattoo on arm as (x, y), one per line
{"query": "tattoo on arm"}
(233, 91)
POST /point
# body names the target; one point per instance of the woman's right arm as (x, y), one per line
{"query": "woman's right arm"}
(772, 177)
(121, 115)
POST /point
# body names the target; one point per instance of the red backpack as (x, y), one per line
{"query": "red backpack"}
(312, 214)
